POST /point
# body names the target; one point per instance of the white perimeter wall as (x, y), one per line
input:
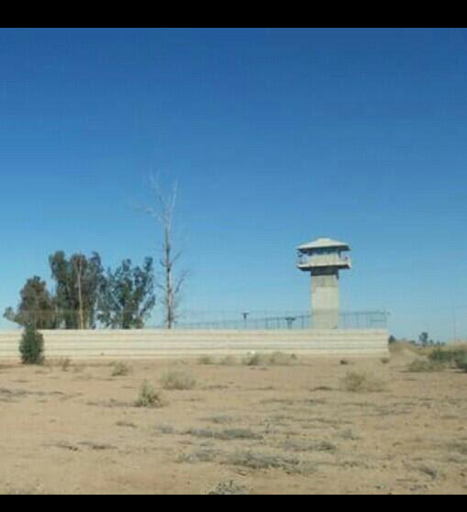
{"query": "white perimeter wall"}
(141, 344)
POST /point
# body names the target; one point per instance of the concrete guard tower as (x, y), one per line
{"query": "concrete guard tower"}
(324, 258)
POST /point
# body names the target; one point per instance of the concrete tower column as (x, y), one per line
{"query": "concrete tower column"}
(325, 300)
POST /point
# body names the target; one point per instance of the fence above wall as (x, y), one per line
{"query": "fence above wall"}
(286, 321)
(197, 320)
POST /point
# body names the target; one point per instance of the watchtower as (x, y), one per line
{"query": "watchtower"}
(324, 258)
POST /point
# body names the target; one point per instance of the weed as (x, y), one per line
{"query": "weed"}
(229, 488)
(424, 366)
(148, 397)
(121, 369)
(178, 380)
(360, 382)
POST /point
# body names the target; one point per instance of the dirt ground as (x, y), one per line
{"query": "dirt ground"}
(241, 429)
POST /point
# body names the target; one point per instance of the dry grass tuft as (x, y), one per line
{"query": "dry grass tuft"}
(121, 369)
(148, 397)
(229, 488)
(178, 380)
(362, 382)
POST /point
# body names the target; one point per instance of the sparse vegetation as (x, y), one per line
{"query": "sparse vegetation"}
(228, 361)
(362, 382)
(461, 362)
(206, 360)
(274, 359)
(64, 364)
(226, 434)
(229, 488)
(306, 445)
(121, 369)
(424, 365)
(262, 461)
(148, 397)
(178, 380)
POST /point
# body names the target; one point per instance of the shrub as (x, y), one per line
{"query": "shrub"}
(229, 488)
(228, 361)
(32, 346)
(282, 359)
(254, 360)
(360, 382)
(149, 397)
(461, 362)
(121, 370)
(206, 360)
(423, 366)
(229, 434)
(445, 357)
(64, 364)
(178, 380)
(274, 359)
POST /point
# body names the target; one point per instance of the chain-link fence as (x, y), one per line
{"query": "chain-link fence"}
(236, 320)
(289, 321)
(442, 324)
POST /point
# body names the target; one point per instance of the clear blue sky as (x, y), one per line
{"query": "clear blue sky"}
(275, 137)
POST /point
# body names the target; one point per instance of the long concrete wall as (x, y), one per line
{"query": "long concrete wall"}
(142, 344)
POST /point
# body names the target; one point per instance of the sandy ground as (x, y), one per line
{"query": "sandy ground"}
(289, 429)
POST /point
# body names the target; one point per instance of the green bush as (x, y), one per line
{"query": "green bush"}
(446, 357)
(32, 346)
(461, 362)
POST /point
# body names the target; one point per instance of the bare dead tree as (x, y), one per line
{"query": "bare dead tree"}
(172, 282)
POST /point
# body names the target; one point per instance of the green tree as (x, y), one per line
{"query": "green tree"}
(32, 346)
(128, 297)
(78, 283)
(424, 339)
(37, 306)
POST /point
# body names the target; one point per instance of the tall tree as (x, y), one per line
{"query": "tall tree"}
(78, 284)
(171, 282)
(128, 296)
(36, 308)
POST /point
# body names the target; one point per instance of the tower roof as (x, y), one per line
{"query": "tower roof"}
(322, 243)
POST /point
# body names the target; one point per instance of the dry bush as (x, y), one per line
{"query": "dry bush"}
(178, 380)
(64, 364)
(362, 382)
(263, 461)
(274, 359)
(306, 445)
(148, 397)
(206, 361)
(228, 361)
(424, 366)
(229, 488)
(229, 434)
(121, 369)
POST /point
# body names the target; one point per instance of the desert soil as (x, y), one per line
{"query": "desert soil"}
(282, 430)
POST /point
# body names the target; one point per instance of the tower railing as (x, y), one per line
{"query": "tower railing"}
(322, 260)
